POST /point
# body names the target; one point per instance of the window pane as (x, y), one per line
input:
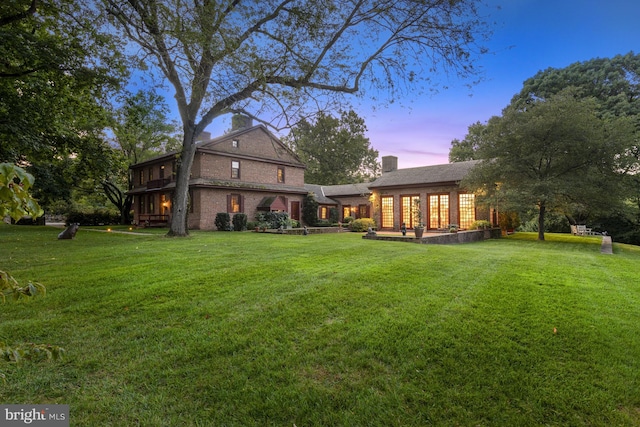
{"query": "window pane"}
(235, 169)
(235, 203)
(467, 210)
(387, 211)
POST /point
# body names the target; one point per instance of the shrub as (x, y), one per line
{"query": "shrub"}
(239, 222)
(480, 224)
(310, 209)
(334, 217)
(223, 221)
(95, 217)
(273, 219)
(348, 219)
(362, 224)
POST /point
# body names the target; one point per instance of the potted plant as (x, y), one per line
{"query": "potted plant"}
(418, 229)
(453, 228)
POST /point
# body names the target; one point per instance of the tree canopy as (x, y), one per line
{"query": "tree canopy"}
(335, 150)
(141, 130)
(467, 149)
(281, 57)
(57, 70)
(553, 154)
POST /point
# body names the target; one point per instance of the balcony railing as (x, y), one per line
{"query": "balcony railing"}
(158, 183)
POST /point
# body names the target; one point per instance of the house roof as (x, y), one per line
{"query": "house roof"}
(215, 144)
(212, 144)
(360, 189)
(425, 175)
(321, 197)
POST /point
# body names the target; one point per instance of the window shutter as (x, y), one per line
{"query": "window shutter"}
(242, 203)
(228, 202)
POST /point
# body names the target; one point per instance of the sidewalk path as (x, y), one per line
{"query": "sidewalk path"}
(607, 245)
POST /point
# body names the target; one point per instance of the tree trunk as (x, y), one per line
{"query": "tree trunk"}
(180, 201)
(125, 215)
(541, 221)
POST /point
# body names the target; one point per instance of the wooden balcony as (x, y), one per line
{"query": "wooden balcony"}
(158, 183)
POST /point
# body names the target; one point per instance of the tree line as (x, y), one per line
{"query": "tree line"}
(567, 144)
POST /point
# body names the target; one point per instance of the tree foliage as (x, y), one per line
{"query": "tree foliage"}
(141, 130)
(467, 149)
(334, 150)
(278, 57)
(15, 200)
(554, 154)
(56, 73)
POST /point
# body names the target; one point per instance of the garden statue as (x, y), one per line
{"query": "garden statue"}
(403, 228)
(69, 232)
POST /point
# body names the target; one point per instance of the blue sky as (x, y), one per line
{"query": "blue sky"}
(529, 36)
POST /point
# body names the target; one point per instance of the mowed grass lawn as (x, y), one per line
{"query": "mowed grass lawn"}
(325, 330)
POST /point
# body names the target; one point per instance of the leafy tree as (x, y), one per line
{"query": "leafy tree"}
(464, 150)
(335, 151)
(56, 72)
(280, 56)
(15, 200)
(140, 130)
(554, 153)
(613, 82)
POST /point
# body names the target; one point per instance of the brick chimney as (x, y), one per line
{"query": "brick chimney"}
(389, 164)
(204, 136)
(239, 121)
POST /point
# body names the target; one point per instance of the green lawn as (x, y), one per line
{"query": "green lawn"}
(325, 330)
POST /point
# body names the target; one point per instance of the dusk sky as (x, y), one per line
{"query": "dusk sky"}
(529, 36)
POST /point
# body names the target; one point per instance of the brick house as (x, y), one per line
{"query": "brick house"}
(437, 190)
(245, 171)
(250, 170)
(351, 200)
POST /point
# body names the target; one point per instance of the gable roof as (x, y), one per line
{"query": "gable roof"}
(360, 189)
(216, 144)
(321, 197)
(425, 175)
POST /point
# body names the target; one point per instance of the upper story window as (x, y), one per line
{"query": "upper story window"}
(235, 169)
(150, 174)
(161, 171)
(235, 143)
(281, 174)
(141, 177)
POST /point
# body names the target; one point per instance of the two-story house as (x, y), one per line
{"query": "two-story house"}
(244, 171)
(251, 170)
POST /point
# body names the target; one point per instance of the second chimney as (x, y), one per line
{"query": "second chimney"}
(389, 164)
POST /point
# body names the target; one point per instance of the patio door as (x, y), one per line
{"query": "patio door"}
(438, 211)
(409, 211)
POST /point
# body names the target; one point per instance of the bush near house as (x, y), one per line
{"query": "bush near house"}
(239, 222)
(362, 224)
(223, 221)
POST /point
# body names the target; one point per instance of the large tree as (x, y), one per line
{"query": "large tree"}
(467, 149)
(552, 154)
(335, 150)
(56, 71)
(141, 129)
(260, 56)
